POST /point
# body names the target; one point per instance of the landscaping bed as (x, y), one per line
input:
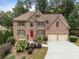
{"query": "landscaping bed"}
(28, 50)
(37, 54)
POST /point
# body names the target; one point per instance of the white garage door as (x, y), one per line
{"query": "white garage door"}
(53, 37)
(62, 37)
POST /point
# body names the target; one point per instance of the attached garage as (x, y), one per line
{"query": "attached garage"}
(63, 37)
(57, 37)
(57, 29)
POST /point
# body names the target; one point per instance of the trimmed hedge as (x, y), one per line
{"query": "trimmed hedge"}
(73, 38)
(4, 50)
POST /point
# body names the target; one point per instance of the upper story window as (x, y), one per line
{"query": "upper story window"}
(21, 23)
(40, 23)
(57, 23)
(21, 32)
(47, 22)
(31, 24)
(37, 15)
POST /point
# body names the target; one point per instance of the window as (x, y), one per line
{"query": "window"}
(47, 22)
(57, 24)
(21, 23)
(40, 23)
(21, 32)
(31, 24)
(37, 15)
(40, 32)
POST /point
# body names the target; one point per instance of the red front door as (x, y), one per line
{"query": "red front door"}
(31, 33)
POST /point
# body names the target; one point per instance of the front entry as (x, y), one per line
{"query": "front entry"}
(31, 35)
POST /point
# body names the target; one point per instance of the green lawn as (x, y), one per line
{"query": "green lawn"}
(38, 55)
(10, 57)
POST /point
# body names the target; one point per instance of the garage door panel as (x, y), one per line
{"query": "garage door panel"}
(59, 37)
(52, 37)
(62, 37)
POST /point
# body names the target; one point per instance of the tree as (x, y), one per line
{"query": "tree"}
(19, 9)
(68, 6)
(74, 20)
(41, 5)
(6, 18)
(55, 3)
(1, 38)
(64, 7)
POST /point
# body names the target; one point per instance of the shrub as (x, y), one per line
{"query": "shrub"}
(39, 46)
(11, 40)
(21, 45)
(4, 50)
(27, 46)
(46, 38)
(31, 46)
(1, 38)
(73, 38)
(40, 39)
(35, 45)
(30, 51)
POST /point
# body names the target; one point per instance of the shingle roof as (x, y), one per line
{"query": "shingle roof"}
(2, 28)
(24, 16)
(49, 17)
(52, 17)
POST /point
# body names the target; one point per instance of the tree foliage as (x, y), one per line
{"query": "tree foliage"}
(6, 18)
(42, 5)
(64, 7)
(19, 9)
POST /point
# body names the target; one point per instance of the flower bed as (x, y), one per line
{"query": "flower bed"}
(22, 46)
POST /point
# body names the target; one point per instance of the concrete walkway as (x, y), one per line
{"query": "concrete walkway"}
(62, 50)
(44, 45)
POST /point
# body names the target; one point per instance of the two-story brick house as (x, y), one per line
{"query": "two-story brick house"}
(33, 24)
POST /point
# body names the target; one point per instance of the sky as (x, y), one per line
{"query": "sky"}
(7, 5)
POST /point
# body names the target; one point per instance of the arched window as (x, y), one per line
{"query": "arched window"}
(57, 23)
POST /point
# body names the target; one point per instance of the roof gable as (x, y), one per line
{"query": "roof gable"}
(48, 17)
(24, 16)
(58, 17)
(27, 16)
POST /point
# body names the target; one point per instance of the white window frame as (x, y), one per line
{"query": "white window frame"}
(21, 32)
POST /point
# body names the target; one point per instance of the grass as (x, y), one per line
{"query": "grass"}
(39, 54)
(10, 57)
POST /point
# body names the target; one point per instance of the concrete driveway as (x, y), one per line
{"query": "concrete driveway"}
(62, 50)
